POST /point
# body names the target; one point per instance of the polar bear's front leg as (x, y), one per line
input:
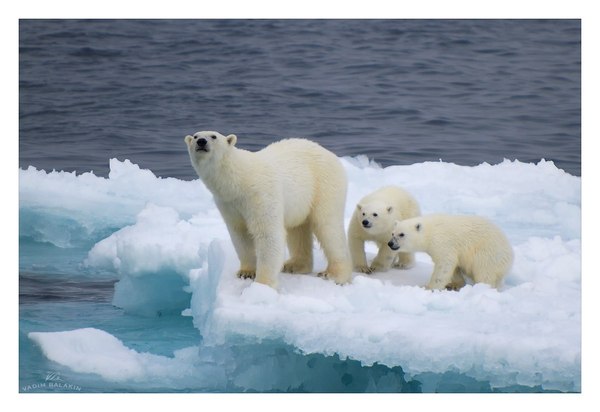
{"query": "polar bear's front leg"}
(332, 238)
(383, 260)
(266, 228)
(404, 260)
(270, 252)
(357, 250)
(244, 247)
(443, 272)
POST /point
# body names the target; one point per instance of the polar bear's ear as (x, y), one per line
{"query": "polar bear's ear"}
(418, 227)
(359, 207)
(188, 139)
(232, 139)
(389, 209)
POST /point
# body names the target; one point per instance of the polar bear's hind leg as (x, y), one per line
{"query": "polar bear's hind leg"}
(332, 238)
(299, 240)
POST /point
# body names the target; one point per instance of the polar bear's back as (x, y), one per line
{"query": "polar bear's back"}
(475, 239)
(300, 159)
(315, 174)
(295, 147)
(474, 229)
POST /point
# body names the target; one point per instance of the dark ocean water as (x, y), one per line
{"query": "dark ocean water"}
(399, 91)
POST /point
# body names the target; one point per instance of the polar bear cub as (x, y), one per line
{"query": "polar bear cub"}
(459, 246)
(292, 188)
(373, 220)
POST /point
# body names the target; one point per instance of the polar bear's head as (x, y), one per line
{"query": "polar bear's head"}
(203, 146)
(375, 217)
(407, 235)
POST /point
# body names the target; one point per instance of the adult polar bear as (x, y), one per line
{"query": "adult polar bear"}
(292, 187)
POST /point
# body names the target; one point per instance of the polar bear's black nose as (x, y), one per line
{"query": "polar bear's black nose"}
(365, 222)
(392, 245)
(201, 142)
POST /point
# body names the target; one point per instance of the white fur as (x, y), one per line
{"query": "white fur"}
(459, 246)
(293, 187)
(379, 210)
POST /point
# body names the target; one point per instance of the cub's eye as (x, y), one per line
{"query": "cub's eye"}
(363, 213)
(374, 214)
(213, 137)
(195, 137)
(401, 235)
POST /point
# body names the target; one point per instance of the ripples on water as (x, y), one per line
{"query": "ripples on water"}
(399, 91)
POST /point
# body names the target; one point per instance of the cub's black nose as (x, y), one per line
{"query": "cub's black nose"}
(365, 222)
(201, 142)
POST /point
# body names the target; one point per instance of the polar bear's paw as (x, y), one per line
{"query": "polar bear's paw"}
(340, 280)
(403, 265)
(364, 269)
(323, 275)
(340, 273)
(294, 266)
(377, 266)
(246, 274)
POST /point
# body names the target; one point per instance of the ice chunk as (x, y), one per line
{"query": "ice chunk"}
(92, 350)
(69, 210)
(158, 241)
(95, 351)
(153, 258)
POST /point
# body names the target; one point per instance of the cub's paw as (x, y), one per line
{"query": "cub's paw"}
(456, 285)
(404, 265)
(363, 269)
(377, 267)
(246, 274)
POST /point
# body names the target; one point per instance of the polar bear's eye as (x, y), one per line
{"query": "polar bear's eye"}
(213, 136)
(374, 214)
(401, 235)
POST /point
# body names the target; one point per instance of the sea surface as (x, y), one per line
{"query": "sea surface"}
(398, 91)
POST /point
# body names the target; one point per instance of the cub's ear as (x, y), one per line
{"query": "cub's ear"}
(359, 207)
(232, 139)
(188, 139)
(418, 227)
(389, 209)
